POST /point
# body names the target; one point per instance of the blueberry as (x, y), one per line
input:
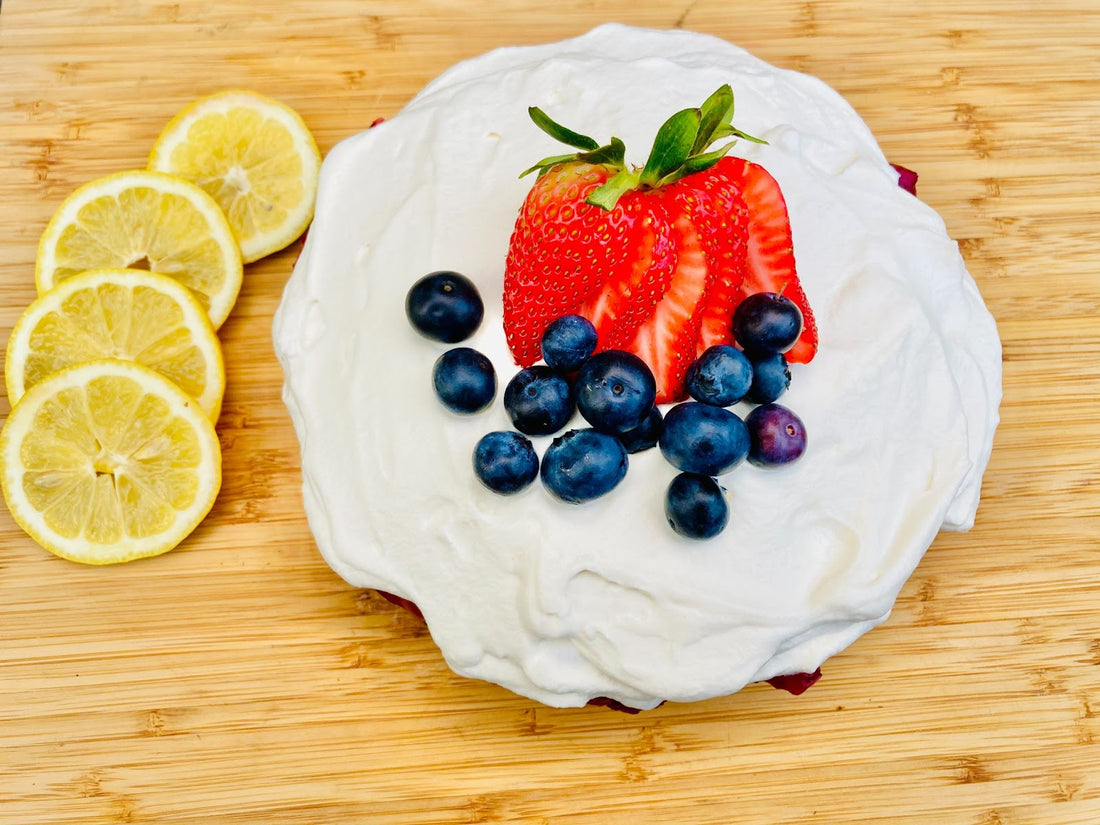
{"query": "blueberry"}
(615, 390)
(581, 465)
(767, 322)
(701, 438)
(568, 342)
(720, 376)
(505, 461)
(646, 435)
(444, 306)
(539, 401)
(776, 435)
(695, 506)
(770, 378)
(464, 380)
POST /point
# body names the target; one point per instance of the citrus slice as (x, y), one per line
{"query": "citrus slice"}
(107, 462)
(145, 220)
(118, 313)
(255, 156)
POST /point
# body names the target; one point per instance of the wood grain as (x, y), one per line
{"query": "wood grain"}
(237, 680)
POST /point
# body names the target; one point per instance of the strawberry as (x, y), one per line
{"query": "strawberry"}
(657, 258)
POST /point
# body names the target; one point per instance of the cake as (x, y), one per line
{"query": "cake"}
(569, 603)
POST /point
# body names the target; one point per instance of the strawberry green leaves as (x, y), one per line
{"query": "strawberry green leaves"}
(681, 148)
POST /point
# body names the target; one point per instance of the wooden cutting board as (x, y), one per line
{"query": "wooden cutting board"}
(237, 680)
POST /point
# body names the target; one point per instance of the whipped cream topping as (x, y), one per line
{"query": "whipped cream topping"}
(563, 603)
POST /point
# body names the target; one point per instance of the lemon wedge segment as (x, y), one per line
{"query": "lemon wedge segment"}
(118, 313)
(255, 156)
(145, 220)
(107, 462)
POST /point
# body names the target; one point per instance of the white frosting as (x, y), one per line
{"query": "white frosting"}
(563, 603)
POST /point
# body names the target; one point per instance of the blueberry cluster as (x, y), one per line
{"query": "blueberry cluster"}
(703, 439)
(615, 393)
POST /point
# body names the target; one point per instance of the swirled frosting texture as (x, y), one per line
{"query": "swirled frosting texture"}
(563, 603)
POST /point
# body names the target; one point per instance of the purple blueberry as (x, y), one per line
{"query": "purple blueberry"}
(776, 435)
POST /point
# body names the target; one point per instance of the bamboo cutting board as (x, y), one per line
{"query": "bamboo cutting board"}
(237, 680)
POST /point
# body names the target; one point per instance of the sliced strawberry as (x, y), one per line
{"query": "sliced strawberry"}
(562, 249)
(721, 217)
(666, 341)
(771, 266)
(627, 298)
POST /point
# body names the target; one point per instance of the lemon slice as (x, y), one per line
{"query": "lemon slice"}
(255, 156)
(118, 313)
(145, 220)
(107, 462)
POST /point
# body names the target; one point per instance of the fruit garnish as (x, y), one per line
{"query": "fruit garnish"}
(108, 461)
(695, 506)
(766, 322)
(771, 377)
(444, 306)
(776, 436)
(581, 465)
(721, 376)
(615, 391)
(658, 257)
(505, 461)
(568, 342)
(539, 400)
(704, 439)
(144, 220)
(255, 156)
(646, 435)
(118, 313)
(464, 380)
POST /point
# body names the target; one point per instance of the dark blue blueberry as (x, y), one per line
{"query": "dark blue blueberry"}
(505, 461)
(696, 507)
(720, 376)
(581, 465)
(444, 306)
(539, 401)
(767, 322)
(646, 435)
(776, 435)
(464, 380)
(770, 378)
(568, 342)
(704, 439)
(615, 390)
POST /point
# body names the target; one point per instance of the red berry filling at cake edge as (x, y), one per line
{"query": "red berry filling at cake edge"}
(907, 178)
(795, 683)
(401, 602)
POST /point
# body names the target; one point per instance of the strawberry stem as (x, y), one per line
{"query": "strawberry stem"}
(679, 149)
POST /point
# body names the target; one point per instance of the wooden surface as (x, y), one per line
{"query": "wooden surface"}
(237, 680)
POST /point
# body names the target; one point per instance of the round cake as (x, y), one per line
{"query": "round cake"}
(566, 603)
